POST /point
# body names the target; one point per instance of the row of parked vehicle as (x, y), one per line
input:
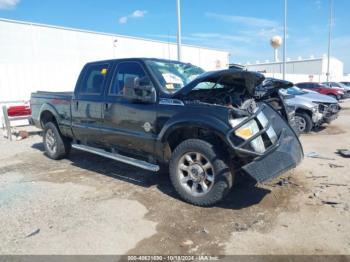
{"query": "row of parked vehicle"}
(315, 103)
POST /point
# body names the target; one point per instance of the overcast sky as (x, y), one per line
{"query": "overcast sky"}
(241, 27)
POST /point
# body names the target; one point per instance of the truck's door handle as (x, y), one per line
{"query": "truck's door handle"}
(106, 106)
(77, 104)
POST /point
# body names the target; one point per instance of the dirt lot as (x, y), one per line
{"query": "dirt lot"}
(90, 205)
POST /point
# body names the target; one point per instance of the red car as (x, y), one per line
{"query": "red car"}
(337, 93)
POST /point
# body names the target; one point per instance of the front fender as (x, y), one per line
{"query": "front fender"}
(193, 120)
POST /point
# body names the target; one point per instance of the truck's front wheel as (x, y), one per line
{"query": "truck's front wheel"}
(56, 146)
(199, 174)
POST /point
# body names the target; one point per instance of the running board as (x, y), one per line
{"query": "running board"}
(117, 157)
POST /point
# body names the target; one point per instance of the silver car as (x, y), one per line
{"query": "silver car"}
(312, 109)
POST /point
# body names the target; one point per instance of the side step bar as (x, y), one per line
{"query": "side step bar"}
(120, 158)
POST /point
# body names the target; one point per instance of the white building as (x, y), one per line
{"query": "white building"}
(42, 57)
(302, 70)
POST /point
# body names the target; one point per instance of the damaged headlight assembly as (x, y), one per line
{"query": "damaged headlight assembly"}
(315, 108)
(251, 128)
(247, 131)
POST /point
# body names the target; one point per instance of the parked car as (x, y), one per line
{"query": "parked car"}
(322, 89)
(151, 112)
(268, 89)
(312, 110)
(344, 88)
(346, 83)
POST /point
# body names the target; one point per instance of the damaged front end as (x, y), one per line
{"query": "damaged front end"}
(329, 112)
(272, 145)
(261, 132)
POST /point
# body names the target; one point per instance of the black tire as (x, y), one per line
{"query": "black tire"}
(222, 176)
(307, 122)
(57, 148)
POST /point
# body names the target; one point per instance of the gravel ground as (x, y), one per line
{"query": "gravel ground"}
(90, 205)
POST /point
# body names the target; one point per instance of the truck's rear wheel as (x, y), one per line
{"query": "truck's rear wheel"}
(199, 174)
(56, 145)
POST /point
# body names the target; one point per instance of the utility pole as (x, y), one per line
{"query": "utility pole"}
(178, 30)
(285, 38)
(330, 38)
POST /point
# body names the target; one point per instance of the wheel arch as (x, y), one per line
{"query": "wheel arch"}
(181, 131)
(48, 114)
(304, 110)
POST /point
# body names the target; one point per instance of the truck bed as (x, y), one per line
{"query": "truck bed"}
(57, 102)
(53, 95)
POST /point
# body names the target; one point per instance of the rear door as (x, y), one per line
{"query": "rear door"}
(128, 126)
(88, 102)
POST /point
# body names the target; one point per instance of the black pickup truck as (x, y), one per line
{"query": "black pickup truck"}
(151, 113)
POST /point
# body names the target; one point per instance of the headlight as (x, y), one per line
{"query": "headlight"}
(290, 111)
(247, 131)
(314, 108)
(340, 92)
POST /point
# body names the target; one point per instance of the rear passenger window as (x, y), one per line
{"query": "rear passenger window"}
(94, 79)
(125, 70)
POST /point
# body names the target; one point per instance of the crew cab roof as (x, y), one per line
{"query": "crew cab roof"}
(134, 59)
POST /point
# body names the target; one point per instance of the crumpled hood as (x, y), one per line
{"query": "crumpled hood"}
(299, 101)
(226, 77)
(319, 98)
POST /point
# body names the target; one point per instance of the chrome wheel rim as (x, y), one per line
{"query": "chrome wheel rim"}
(301, 123)
(195, 173)
(50, 140)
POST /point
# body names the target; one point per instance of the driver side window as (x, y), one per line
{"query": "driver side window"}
(124, 71)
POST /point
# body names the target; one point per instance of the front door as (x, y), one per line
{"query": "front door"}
(88, 102)
(128, 126)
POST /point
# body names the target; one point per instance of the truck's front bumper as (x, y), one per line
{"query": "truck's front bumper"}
(281, 155)
(286, 155)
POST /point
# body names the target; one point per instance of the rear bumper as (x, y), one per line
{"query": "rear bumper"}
(282, 155)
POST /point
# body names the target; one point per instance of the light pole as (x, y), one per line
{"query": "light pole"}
(285, 39)
(178, 30)
(330, 38)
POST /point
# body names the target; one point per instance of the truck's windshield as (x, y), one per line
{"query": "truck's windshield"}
(173, 75)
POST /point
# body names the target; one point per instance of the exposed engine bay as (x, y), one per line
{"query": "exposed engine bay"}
(236, 97)
(230, 97)
(237, 90)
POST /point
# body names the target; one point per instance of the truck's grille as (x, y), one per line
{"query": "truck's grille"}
(270, 125)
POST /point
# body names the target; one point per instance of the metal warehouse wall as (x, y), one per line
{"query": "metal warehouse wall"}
(39, 57)
(314, 69)
(292, 67)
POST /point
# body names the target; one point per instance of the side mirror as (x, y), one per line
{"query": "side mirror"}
(139, 90)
